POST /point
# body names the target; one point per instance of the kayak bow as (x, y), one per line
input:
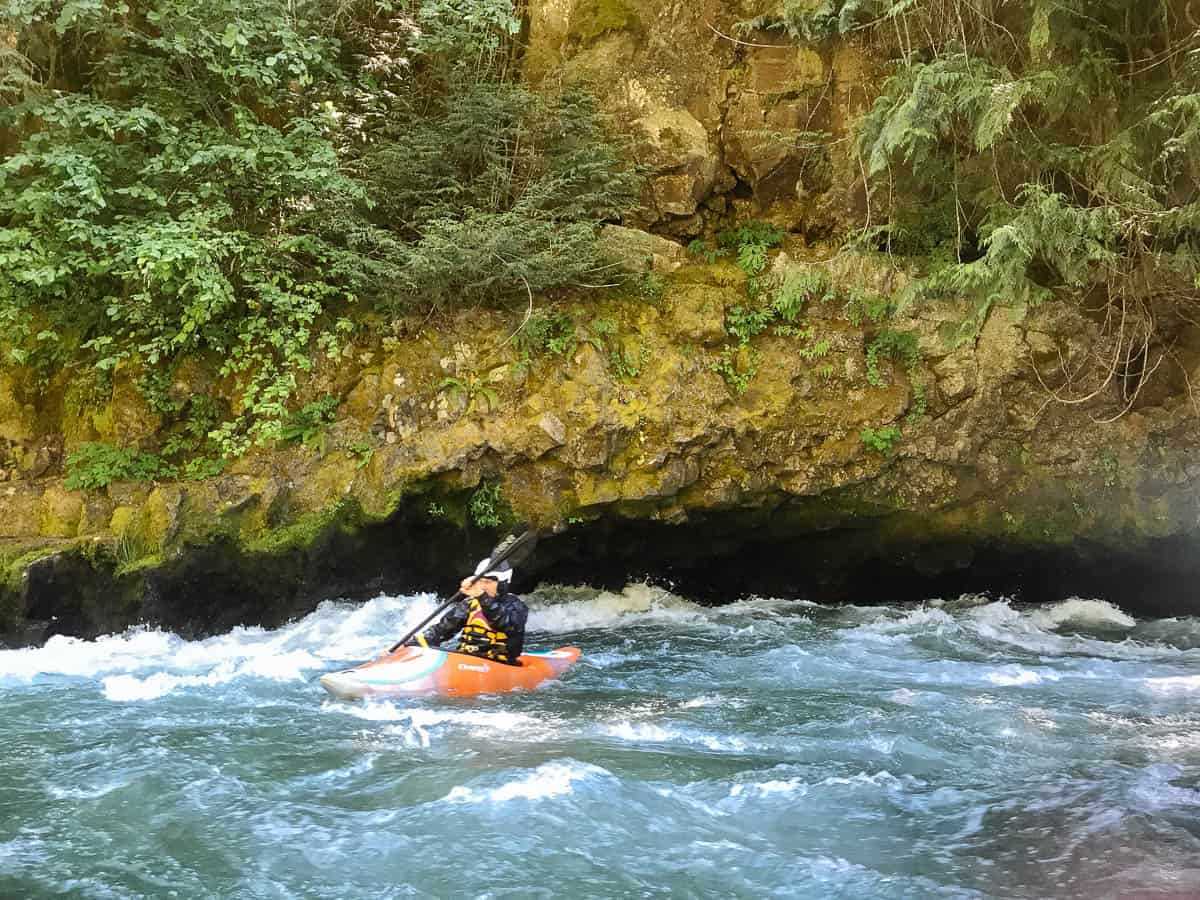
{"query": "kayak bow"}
(424, 670)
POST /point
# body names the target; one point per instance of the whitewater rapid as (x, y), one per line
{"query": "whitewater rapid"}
(968, 748)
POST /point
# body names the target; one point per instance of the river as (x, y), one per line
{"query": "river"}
(972, 748)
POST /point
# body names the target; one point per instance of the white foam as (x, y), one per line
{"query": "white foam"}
(289, 666)
(882, 779)
(766, 788)
(887, 629)
(1077, 611)
(551, 779)
(1175, 684)
(635, 604)
(62, 655)
(1153, 789)
(705, 701)
(648, 732)
(145, 664)
(417, 726)
(1013, 676)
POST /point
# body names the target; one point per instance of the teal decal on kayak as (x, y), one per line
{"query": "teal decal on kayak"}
(437, 662)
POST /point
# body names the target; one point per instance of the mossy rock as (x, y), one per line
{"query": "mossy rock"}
(593, 18)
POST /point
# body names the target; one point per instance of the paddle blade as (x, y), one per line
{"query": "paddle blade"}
(513, 549)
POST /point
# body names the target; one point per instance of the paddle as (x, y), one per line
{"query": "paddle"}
(513, 548)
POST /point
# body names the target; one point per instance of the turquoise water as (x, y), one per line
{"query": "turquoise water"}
(765, 748)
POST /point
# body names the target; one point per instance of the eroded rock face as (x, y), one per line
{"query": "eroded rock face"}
(749, 125)
(635, 430)
(628, 444)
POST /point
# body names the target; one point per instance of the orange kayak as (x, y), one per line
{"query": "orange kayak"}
(424, 670)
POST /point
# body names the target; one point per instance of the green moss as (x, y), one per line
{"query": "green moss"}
(345, 514)
(595, 17)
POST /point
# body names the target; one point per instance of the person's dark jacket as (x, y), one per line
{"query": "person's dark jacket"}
(502, 639)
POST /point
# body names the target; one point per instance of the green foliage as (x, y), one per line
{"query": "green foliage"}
(359, 448)
(547, 334)
(750, 243)
(737, 377)
(900, 346)
(1032, 149)
(809, 22)
(752, 233)
(705, 250)
(203, 467)
(787, 293)
(191, 434)
(472, 388)
(1111, 468)
(308, 424)
(222, 178)
(881, 440)
(868, 306)
(746, 324)
(797, 286)
(487, 507)
(891, 345)
(97, 465)
(498, 190)
(626, 359)
(652, 287)
(600, 330)
(153, 204)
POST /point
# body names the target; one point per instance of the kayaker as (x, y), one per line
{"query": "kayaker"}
(491, 620)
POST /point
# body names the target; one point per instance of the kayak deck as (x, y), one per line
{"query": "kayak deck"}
(426, 670)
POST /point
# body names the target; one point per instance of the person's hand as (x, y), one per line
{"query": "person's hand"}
(471, 586)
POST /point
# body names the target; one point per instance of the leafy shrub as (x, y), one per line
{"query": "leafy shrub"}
(652, 287)
(546, 333)
(750, 243)
(487, 507)
(307, 425)
(97, 465)
(211, 176)
(797, 286)
(745, 324)
(726, 365)
(203, 467)
(474, 390)
(980, 156)
(627, 362)
(499, 190)
(706, 251)
(881, 440)
(889, 344)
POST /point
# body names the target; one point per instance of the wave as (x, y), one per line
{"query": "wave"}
(1035, 630)
(551, 779)
(557, 609)
(1077, 611)
(652, 733)
(291, 666)
(146, 664)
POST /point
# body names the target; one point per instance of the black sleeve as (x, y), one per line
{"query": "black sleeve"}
(450, 625)
(505, 612)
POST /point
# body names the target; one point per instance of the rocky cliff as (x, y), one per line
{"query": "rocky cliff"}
(854, 449)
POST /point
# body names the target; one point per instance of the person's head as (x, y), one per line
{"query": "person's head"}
(494, 579)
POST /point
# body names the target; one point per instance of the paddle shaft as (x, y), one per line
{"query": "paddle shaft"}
(433, 615)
